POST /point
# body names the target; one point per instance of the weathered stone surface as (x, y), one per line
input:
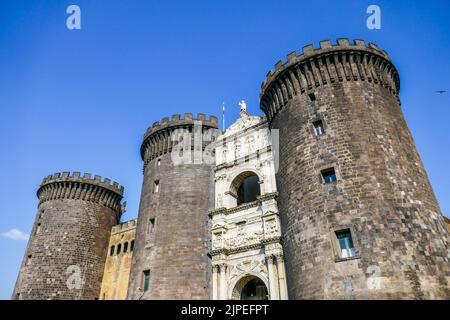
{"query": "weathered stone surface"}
(67, 249)
(382, 191)
(175, 252)
(118, 263)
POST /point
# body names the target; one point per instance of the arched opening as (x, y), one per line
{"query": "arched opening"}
(250, 288)
(246, 187)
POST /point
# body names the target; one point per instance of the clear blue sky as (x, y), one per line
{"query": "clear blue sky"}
(81, 100)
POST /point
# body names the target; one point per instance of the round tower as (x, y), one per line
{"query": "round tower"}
(359, 216)
(170, 259)
(68, 245)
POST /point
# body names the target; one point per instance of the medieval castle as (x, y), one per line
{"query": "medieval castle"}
(323, 198)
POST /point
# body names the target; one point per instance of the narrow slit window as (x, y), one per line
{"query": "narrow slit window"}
(319, 129)
(151, 225)
(158, 163)
(156, 186)
(29, 259)
(38, 228)
(329, 175)
(146, 280)
(345, 243)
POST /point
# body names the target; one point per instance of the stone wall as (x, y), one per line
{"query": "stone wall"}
(382, 193)
(67, 249)
(118, 262)
(173, 233)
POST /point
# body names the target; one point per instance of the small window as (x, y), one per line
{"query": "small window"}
(158, 162)
(329, 175)
(132, 245)
(119, 248)
(156, 186)
(319, 129)
(29, 260)
(125, 247)
(111, 250)
(312, 96)
(38, 228)
(151, 225)
(345, 243)
(146, 280)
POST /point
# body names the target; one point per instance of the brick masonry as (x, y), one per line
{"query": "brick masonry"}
(382, 193)
(69, 239)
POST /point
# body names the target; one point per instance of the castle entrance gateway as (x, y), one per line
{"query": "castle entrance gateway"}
(250, 288)
(247, 253)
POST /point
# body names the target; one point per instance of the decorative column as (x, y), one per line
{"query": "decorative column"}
(214, 282)
(282, 277)
(223, 282)
(273, 292)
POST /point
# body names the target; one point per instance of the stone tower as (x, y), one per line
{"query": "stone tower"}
(170, 258)
(359, 216)
(67, 249)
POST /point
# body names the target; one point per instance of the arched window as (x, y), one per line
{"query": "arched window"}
(119, 248)
(132, 245)
(111, 251)
(125, 247)
(246, 187)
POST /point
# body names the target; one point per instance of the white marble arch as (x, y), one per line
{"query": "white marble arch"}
(232, 186)
(235, 289)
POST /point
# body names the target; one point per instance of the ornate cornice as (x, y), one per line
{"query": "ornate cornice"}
(245, 206)
(262, 244)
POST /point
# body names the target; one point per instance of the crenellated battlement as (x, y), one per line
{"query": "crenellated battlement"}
(124, 226)
(86, 178)
(314, 67)
(177, 120)
(86, 187)
(158, 139)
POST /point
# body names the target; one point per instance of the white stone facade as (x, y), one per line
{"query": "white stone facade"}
(246, 238)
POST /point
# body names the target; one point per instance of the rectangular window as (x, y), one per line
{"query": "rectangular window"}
(329, 175)
(151, 225)
(318, 128)
(156, 186)
(146, 280)
(132, 245)
(345, 242)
